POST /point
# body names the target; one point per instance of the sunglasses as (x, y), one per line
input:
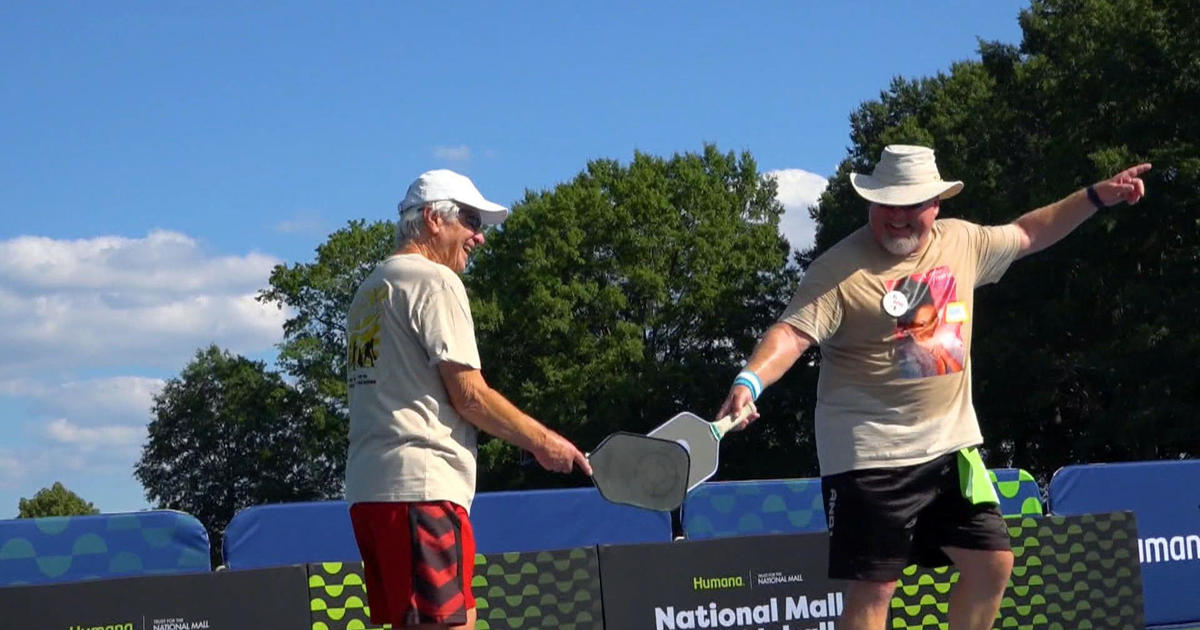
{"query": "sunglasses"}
(911, 206)
(470, 219)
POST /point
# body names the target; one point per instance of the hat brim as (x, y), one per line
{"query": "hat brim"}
(881, 193)
(491, 213)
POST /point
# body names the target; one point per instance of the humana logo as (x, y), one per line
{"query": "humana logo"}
(1173, 549)
(707, 584)
(115, 626)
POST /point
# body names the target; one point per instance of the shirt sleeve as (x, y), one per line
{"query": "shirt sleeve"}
(816, 308)
(996, 247)
(446, 329)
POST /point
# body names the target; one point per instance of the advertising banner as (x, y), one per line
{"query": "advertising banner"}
(748, 582)
(554, 590)
(228, 600)
(1165, 496)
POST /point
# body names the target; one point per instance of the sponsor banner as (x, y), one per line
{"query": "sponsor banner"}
(228, 600)
(748, 582)
(1165, 496)
(546, 589)
(1068, 572)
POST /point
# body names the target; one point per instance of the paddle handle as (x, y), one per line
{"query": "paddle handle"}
(722, 426)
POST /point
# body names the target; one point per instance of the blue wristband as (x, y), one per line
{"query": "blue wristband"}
(751, 382)
(1095, 198)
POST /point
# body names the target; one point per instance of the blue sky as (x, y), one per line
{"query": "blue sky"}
(160, 158)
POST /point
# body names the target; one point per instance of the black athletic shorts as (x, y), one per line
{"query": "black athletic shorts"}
(884, 519)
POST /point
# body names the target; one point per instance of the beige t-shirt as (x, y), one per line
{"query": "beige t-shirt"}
(895, 336)
(407, 443)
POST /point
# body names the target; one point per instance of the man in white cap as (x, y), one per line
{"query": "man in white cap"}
(417, 399)
(891, 307)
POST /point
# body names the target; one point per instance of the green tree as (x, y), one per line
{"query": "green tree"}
(611, 302)
(634, 292)
(318, 294)
(1093, 333)
(56, 500)
(228, 434)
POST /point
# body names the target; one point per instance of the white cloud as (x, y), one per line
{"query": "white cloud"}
(162, 262)
(115, 400)
(303, 223)
(460, 153)
(65, 432)
(88, 330)
(116, 301)
(797, 191)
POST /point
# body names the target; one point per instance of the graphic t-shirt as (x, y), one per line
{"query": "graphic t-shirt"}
(895, 337)
(407, 443)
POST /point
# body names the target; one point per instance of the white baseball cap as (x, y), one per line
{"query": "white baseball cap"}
(446, 185)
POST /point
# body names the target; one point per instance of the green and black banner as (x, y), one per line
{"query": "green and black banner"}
(1069, 572)
(227, 600)
(545, 589)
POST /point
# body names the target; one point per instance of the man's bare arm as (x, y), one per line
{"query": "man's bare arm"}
(1047, 225)
(780, 348)
(492, 413)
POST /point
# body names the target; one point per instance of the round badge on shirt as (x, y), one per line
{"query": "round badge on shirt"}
(895, 303)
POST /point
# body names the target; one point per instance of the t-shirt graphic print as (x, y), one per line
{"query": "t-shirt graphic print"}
(928, 333)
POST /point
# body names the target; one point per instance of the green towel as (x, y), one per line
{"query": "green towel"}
(973, 478)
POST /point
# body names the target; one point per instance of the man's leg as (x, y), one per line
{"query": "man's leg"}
(982, 577)
(867, 605)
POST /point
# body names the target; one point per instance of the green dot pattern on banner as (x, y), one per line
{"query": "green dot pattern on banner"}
(1069, 572)
(548, 589)
(1018, 491)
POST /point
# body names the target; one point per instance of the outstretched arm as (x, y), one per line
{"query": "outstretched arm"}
(776, 353)
(490, 411)
(1047, 225)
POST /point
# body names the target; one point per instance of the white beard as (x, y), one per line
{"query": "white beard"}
(902, 246)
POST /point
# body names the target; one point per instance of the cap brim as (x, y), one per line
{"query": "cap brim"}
(876, 191)
(491, 213)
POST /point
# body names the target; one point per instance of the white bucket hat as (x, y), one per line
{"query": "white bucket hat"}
(905, 175)
(446, 185)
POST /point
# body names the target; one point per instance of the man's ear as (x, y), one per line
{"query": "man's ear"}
(432, 220)
(937, 207)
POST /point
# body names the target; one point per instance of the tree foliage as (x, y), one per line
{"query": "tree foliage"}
(319, 294)
(634, 292)
(56, 500)
(1084, 352)
(228, 434)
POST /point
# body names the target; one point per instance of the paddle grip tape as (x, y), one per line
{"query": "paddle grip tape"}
(750, 381)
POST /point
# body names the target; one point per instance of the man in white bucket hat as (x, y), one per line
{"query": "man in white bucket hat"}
(891, 307)
(417, 399)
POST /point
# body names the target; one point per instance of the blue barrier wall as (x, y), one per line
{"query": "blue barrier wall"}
(1165, 497)
(528, 520)
(72, 548)
(277, 535)
(744, 508)
(533, 520)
